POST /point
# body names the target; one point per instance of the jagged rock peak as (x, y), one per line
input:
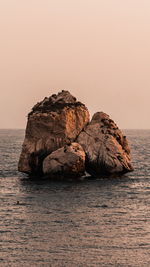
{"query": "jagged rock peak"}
(100, 116)
(56, 102)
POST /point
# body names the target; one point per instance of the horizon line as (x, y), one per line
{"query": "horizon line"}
(120, 128)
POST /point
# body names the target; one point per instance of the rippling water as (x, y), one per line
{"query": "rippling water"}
(101, 222)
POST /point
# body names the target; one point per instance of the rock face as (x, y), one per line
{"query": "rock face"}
(107, 150)
(52, 123)
(68, 161)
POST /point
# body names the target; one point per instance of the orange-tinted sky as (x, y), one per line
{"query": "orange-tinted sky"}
(97, 49)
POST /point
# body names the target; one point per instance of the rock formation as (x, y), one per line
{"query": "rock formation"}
(60, 141)
(107, 150)
(52, 123)
(68, 161)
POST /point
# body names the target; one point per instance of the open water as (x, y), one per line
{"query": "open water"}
(101, 222)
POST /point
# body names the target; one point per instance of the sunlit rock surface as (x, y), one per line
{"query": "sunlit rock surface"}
(68, 161)
(107, 150)
(52, 123)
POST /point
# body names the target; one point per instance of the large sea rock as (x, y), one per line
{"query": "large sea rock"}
(52, 123)
(107, 150)
(65, 162)
(60, 140)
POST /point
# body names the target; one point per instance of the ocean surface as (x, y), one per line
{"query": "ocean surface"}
(94, 222)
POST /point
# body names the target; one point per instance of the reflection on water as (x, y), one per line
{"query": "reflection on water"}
(101, 222)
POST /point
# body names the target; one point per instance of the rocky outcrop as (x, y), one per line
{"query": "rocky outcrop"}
(68, 161)
(60, 141)
(52, 123)
(107, 150)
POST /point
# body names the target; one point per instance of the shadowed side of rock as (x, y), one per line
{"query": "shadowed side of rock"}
(107, 150)
(52, 123)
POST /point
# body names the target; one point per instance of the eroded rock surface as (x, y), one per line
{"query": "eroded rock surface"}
(52, 123)
(68, 161)
(107, 150)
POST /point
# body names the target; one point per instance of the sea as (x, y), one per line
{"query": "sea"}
(93, 222)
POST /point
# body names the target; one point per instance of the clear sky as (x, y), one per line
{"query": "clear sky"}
(97, 49)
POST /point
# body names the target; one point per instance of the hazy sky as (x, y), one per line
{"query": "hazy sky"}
(97, 49)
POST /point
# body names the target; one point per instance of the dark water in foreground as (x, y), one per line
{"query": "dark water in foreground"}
(103, 222)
